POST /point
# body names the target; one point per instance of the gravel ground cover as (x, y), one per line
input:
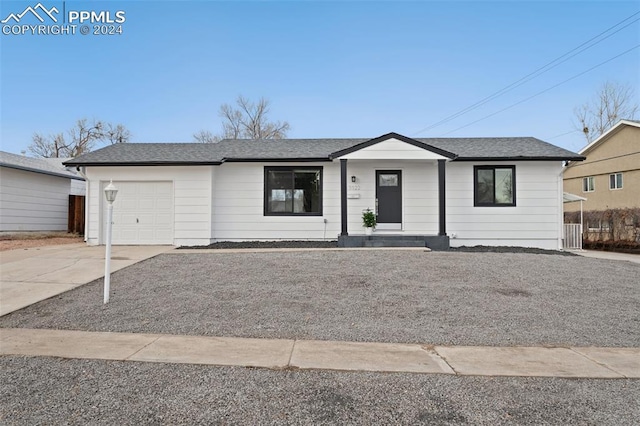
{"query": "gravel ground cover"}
(447, 298)
(80, 392)
(508, 249)
(265, 244)
(334, 244)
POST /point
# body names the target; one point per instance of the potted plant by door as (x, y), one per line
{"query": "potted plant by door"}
(368, 221)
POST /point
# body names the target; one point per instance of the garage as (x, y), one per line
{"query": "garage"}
(142, 213)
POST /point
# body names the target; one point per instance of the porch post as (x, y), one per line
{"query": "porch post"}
(441, 198)
(343, 196)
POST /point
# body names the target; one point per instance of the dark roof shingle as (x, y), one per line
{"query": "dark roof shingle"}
(310, 149)
(495, 148)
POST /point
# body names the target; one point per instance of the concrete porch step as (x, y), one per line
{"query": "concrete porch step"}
(434, 242)
(395, 242)
(391, 236)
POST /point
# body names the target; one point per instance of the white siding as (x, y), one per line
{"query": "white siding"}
(533, 222)
(191, 194)
(225, 203)
(238, 206)
(238, 211)
(78, 187)
(33, 201)
(392, 149)
(419, 193)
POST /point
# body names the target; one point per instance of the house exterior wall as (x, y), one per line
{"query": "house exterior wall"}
(535, 220)
(419, 194)
(33, 201)
(77, 187)
(226, 202)
(238, 206)
(192, 199)
(617, 153)
(238, 201)
(392, 149)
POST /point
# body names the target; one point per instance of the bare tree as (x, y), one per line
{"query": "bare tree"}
(83, 137)
(232, 124)
(248, 120)
(47, 147)
(116, 133)
(612, 103)
(205, 136)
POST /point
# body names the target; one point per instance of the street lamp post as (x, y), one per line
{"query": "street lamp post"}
(110, 193)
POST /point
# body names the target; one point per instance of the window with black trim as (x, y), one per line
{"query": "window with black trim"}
(293, 191)
(494, 186)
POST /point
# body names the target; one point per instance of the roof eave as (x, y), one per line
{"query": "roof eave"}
(195, 163)
(608, 134)
(40, 171)
(276, 160)
(142, 163)
(521, 158)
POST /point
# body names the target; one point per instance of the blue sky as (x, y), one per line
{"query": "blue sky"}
(331, 69)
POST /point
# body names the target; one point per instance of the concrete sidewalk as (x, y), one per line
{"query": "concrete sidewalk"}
(610, 363)
(30, 275)
(609, 255)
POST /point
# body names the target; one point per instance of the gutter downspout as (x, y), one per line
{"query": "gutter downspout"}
(82, 172)
(561, 199)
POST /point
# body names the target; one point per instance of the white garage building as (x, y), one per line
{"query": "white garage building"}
(34, 193)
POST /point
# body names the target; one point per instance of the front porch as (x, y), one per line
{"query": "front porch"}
(404, 182)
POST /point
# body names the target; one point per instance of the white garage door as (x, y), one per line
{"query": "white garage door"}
(142, 213)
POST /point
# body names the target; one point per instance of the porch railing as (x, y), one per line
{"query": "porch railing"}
(572, 238)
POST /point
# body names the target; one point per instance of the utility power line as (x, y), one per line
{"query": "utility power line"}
(563, 134)
(547, 67)
(543, 91)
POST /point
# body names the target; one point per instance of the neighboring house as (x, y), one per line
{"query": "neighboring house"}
(34, 193)
(609, 178)
(464, 191)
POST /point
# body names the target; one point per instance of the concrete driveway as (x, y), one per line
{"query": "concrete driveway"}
(30, 275)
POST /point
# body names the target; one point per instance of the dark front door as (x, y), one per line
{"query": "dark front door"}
(389, 196)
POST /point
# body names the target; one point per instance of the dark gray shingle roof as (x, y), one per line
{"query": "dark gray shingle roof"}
(47, 166)
(310, 149)
(139, 153)
(495, 148)
(284, 148)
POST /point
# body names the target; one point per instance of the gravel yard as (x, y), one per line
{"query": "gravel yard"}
(448, 298)
(80, 392)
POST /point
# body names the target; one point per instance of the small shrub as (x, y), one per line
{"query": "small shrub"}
(368, 219)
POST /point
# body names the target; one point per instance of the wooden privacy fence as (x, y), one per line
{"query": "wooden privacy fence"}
(76, 214)
(572, 238)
